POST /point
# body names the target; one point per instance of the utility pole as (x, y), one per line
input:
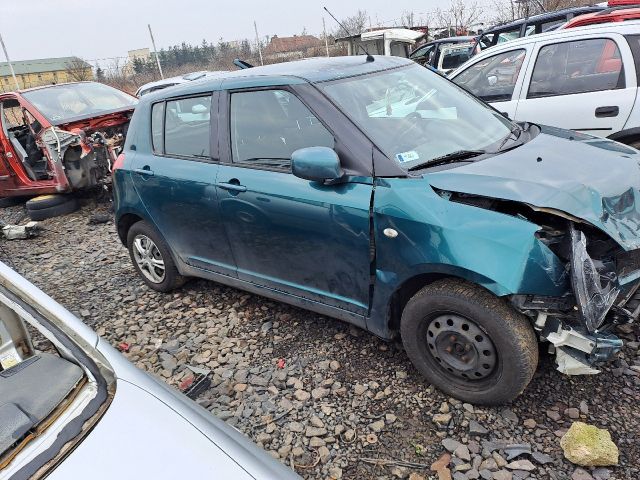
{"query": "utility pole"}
(155, 51)
(255, 27)
(326, 41)
(6, 55)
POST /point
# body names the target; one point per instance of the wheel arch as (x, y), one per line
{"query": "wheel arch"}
(409, 286)
(124, 224)
(627, 136)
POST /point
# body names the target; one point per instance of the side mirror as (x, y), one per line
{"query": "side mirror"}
(199, 109)
(317, 164)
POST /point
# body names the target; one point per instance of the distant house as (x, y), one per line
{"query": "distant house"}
(44, 71)
(293, 47)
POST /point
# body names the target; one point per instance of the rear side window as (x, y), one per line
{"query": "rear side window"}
(494, 78)
(187, 127)
(267, 126)
(574, 67)
(157, 127)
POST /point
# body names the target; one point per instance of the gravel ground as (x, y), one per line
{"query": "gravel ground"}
(328, 399)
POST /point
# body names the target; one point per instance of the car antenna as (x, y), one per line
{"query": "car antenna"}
(369, 57)
(241, 64)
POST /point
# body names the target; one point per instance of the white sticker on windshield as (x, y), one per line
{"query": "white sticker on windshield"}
(407, 156)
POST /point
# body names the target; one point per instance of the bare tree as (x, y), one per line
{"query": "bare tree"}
(459, 17)
(354, 25)
(407, 19)
(509, 10)
(78, 70)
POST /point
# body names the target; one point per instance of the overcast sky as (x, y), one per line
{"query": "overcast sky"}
(99, 30)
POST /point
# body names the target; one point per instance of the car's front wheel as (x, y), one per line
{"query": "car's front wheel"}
(152, 259)
(469, 343)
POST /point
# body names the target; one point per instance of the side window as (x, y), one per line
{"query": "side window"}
(157, 127)
(267, 126)
(580, 66)
(494, 78)
(187, 128)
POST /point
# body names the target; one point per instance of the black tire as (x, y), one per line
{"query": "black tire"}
(46, 201)
(172, 278)
(512, 356)
(70, 205)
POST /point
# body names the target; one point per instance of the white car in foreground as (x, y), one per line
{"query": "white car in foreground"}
(583, 79)
(81, 410)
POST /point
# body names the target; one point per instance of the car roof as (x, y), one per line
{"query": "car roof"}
(613, 27)
(604, 16)
(632, 26)
(311, 70)
(544, 16)
(42, 87)
(458, 39)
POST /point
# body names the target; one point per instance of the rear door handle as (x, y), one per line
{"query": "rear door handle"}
(232, 187)
(609, 111)
(146, 171)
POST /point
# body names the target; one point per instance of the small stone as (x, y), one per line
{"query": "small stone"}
(318, 393)
(444, 408)
(502, 475)
(415, 476)
(398, 472)
(441, 463)
(316, 422)
(334, 365)
(462, 452)
(476, 429)
(581, 474)
(335, 473)
(473, 474)
(359, 389)
(301, 395)
(589, 446)
(584, 407)
(572, 413)
(297, 451)
(541, 458)
(601, 474)
(349, 435)
(486, 474)
(450, 444)
(377, 426)
(316, 442)
(315, 432)
(553, 415)
(509, 415)
(442, 418)
(462, 467)
(489, 464)
(525, 465)
(240, 387)
(530, 423)
(324, 454)
(296, 427)
(500, 461)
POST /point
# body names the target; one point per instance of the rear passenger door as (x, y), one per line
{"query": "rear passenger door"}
(586, 84)
(176, 181)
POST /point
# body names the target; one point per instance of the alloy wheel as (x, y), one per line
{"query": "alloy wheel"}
(148, 258)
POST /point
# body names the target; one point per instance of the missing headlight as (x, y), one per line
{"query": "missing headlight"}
(595, 286)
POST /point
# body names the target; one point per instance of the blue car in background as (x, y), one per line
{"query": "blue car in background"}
(377, 192)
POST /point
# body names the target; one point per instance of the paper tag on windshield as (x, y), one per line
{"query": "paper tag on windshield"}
(407, 156)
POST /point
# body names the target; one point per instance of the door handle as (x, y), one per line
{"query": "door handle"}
(146, 171)
(609, 111)
(232, 186)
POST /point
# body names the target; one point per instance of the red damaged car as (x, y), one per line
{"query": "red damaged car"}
(58, 139)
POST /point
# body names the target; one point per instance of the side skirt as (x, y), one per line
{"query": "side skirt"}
(296, 301)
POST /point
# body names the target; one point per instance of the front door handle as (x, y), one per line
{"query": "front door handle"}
(146, 171)
(609, 111)
(232, 186)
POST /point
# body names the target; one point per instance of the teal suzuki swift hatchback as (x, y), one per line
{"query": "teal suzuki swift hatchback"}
(379, 193)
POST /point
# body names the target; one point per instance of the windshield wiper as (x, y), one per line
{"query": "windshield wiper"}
(457, 156)
(516, 128)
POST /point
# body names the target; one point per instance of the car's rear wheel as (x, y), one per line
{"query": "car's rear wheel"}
(152, 258)
(49, 206)
(469, 343)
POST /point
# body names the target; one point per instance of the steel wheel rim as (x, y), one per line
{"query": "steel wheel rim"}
(461, 347)
(148, 258)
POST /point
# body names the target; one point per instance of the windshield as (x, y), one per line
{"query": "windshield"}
(61, 103)
(414, 115)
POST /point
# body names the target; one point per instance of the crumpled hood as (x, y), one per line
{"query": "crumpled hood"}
(594, 179)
